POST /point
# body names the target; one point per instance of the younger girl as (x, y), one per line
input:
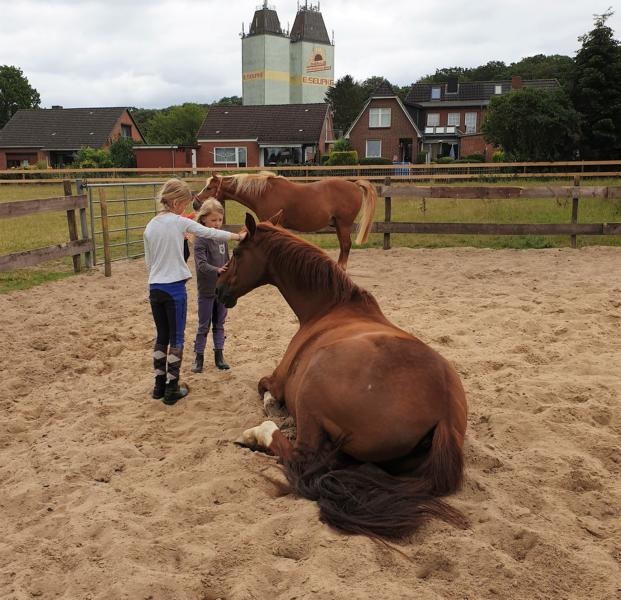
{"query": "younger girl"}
(168, 272)
(211, 257)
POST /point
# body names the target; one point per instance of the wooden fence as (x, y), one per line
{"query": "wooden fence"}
(398, 172)
(74, 247)
(389, 191)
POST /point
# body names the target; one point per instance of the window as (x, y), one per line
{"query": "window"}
(498, 89)
(374, 148)
(126, 131)
(453, 119)
(436, 93)
(379, 117)
(471, 122)
(433, 119)
(230, 155)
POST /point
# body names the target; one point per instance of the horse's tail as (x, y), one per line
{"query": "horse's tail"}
(369, 200)
(365, 499)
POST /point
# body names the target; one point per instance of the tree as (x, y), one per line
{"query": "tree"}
(228, 101)
(122, 153)
(540, 66)
(176, 125)
(533, 124)
(346, 97)
(15, 93)
(596, 92)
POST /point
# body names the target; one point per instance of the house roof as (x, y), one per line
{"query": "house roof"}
(420, 93)
(309, 26)
(60, 128)
(384, 89)
(268, 124)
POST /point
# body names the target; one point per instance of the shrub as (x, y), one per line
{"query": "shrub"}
(90, 158)
(498, 156)
(477, 157)
(375, 160)
(443, 160)
(421, 158)
(122, 153)
(343, 158)
(342, 145)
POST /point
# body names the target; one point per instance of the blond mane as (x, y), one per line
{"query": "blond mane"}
(253, 184)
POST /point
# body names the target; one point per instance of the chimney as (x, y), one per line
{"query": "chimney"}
(451, 85)
(516, 82)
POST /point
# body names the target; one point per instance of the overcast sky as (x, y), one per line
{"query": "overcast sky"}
(156, 53)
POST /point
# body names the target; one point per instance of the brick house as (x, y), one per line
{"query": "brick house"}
(264, 135)
(386, 127)
(447, 117)
(55, 135)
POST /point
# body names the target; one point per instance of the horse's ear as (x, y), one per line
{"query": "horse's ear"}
(277, 218)
(251, 226)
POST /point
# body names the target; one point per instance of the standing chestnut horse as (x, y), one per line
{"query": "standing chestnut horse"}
(306, 206)
(360, 390)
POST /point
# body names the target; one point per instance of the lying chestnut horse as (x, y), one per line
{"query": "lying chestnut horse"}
(306, 206)
(361, 391)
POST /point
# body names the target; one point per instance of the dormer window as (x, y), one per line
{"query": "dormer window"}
(498, 89)
(436, 92)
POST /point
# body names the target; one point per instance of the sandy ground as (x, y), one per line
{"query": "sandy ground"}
(106, 493)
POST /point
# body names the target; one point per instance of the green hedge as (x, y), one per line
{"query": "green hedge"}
(375, 160)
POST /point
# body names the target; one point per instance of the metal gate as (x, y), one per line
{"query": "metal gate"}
(119, 212)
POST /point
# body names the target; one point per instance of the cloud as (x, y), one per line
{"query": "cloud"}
(156, 53)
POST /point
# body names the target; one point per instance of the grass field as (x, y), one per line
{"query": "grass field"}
(25, 233)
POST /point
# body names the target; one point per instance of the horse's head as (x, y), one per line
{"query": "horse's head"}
(212, 189)
(248, 267)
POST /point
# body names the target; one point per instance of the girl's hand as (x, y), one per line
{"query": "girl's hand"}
(223, 269)
(242, 234)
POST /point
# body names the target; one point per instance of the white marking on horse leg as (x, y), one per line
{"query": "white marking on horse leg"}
(268, 402)
(259, 436)
(273, 407)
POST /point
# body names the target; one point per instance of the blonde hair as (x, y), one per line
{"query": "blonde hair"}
(211, 205)
(174, 191)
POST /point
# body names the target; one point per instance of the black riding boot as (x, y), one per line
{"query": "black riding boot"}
(174, 392)
(218, 355)
(197, 365)
(160, 387)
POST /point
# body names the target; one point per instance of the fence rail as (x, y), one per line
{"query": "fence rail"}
(401, 172)
(74, 247)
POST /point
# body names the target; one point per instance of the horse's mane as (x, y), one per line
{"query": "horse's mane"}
(253, 184)
(307, 265)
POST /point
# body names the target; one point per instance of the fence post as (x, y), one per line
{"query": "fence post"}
(387, 215)
(73, 226)
(103, 205)
(575, 196)
(88, 256)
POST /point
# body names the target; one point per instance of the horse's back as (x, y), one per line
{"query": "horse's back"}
(378, 385)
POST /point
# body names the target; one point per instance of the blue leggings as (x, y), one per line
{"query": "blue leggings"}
(169, 305)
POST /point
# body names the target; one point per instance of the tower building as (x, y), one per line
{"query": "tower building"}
(281, 67)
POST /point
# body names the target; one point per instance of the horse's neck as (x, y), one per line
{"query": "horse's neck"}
(242, 197)
(307, 303)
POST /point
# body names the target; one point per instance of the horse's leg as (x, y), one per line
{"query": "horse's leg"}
(272, 394)
(269, 437)
(343, 232)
